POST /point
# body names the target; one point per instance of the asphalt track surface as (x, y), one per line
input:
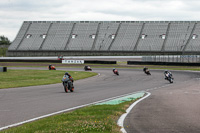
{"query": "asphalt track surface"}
(170, 108)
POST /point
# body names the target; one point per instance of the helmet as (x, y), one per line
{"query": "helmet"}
(166, 71)
(113, 68)
(66, 73)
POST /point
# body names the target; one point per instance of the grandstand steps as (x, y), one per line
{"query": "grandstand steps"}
(49, 40)
(24, 36)
(166, 35)
(114, 37)
(139, 38)
(32, 35)
(45, 39)
(70, 36)
(95, 40)
(190, 37)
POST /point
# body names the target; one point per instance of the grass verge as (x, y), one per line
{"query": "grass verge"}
(91, 119)
(22, 78)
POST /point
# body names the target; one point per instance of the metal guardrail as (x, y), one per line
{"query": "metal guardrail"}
(172, 58)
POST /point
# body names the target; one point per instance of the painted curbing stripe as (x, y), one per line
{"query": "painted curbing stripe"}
(122, 118)
(62, 111)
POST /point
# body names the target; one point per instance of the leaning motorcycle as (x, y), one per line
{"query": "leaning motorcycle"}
(147, 72)
(87, 68)
(67, 83)
(170, 79)
(52, 67)
(116, 72)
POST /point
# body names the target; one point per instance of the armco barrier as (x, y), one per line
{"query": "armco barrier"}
(100, 62)
(162, 63)
(57, 61)
(26, 60)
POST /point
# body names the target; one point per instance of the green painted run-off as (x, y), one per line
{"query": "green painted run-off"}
(123, 99)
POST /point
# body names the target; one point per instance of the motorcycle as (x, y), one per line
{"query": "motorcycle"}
(116, 72)
(87, 68)
(52, 67)
(169, 78)
(67, 84)
(147, 72)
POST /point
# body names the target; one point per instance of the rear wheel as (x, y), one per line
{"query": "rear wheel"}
(66, 88)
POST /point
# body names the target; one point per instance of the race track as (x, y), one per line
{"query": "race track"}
(20, 104)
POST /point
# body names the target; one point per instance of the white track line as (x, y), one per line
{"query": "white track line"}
(122, 118)
(62, 111)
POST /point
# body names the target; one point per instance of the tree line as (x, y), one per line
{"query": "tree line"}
(4, 40)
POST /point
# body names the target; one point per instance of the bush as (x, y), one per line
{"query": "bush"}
(3, 51)
(4, 40)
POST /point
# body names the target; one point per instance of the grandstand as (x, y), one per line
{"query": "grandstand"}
(52, 38)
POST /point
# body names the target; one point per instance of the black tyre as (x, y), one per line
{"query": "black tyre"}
(72, 90)
(70, 86)
(171, 80)
(66, 88)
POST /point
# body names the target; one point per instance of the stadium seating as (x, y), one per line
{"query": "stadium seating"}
(132, 36)
(35, 40)
(104, 38)
(194, 44)
(19, 37)
(83, 40)
(178, 35)
(127, 37)
(153, 40)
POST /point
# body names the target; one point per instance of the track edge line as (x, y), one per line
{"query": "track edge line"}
(120, 121)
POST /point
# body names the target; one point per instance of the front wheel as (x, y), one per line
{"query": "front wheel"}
(72, 90)
(66, 88)
(171, 80)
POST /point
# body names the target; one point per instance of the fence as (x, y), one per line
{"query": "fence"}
(172, 58)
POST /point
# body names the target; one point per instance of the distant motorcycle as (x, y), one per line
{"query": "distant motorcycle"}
(115, 71)
(67, 84)
(52, 67)
(147, 72)
(169, 78)
(87, 68)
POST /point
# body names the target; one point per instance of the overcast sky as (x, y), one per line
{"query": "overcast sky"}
(14, 12)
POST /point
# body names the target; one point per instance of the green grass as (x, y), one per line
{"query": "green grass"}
(22, 78)
(91, 119)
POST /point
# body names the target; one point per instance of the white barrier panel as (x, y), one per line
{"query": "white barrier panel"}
(73, 61)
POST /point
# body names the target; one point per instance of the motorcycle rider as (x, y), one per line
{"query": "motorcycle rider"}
(145, 69)
(70, 77)
(50, 67)
(114, 69)
(167, 74)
